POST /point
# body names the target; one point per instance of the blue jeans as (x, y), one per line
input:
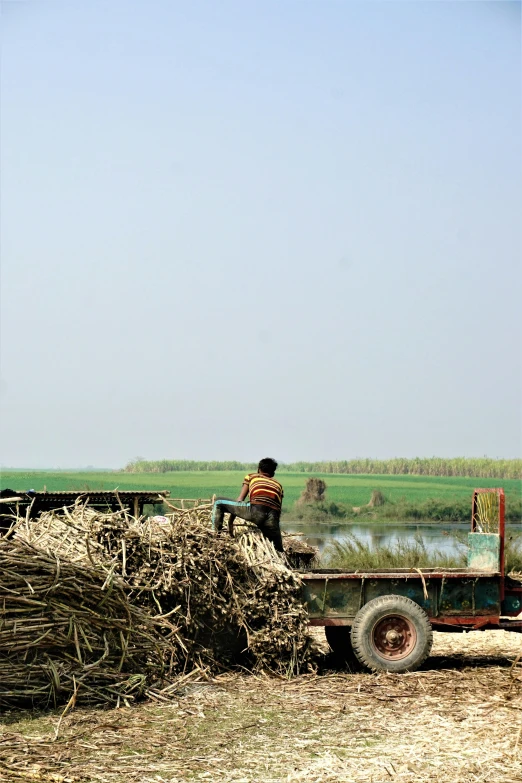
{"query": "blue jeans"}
(264, 517)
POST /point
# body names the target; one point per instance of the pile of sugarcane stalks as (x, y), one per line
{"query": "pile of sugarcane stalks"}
(299, 554)
(68, 630)
(106, 607)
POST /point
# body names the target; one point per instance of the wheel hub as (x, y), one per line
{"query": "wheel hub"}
(394, 637)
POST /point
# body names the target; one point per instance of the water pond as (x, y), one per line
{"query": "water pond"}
(435, 536)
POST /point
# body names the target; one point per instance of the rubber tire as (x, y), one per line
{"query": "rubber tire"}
(340, 641)
(374, 611)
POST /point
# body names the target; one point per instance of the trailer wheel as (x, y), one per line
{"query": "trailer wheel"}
(392, 633)
(340, 641)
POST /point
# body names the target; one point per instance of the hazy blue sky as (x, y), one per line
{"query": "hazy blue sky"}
(239, 228)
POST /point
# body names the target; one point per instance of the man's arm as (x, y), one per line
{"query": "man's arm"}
(244, 492)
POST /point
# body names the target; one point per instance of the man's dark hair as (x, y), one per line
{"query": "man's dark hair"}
(267, 465)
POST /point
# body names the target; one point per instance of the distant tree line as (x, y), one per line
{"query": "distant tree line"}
(139, 465)
(433, 466)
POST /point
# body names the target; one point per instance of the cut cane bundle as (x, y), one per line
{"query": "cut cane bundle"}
(487, 512)
(119, 606)
(65, 627)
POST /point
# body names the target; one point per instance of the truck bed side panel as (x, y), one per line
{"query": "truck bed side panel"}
(339, 599)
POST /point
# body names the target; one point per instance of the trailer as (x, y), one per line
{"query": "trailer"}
(385, 618)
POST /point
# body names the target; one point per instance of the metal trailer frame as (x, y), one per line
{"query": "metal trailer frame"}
(454, 599)
(131, 500)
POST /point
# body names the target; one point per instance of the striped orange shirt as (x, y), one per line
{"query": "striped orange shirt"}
(264, 491)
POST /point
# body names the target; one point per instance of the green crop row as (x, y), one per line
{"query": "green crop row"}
(433, 466)
(408, 497)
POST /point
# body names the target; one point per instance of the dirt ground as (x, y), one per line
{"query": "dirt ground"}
(457, 720)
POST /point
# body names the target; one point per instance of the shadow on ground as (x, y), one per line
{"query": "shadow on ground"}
(332, 662)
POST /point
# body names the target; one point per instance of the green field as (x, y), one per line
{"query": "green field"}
(352, 490)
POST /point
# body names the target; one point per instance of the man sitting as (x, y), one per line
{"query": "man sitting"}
(264, 505)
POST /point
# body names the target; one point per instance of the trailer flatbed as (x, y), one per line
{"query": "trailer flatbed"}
(386, 617)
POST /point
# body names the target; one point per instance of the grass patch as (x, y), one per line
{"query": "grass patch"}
(401, 510)
(440, 510)
(353, 554)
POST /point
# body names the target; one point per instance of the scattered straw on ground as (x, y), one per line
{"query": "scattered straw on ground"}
(459, 720)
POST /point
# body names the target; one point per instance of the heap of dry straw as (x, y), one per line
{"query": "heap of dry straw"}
(106, 607)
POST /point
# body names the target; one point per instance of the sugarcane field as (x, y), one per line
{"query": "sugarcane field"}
(158, 649)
